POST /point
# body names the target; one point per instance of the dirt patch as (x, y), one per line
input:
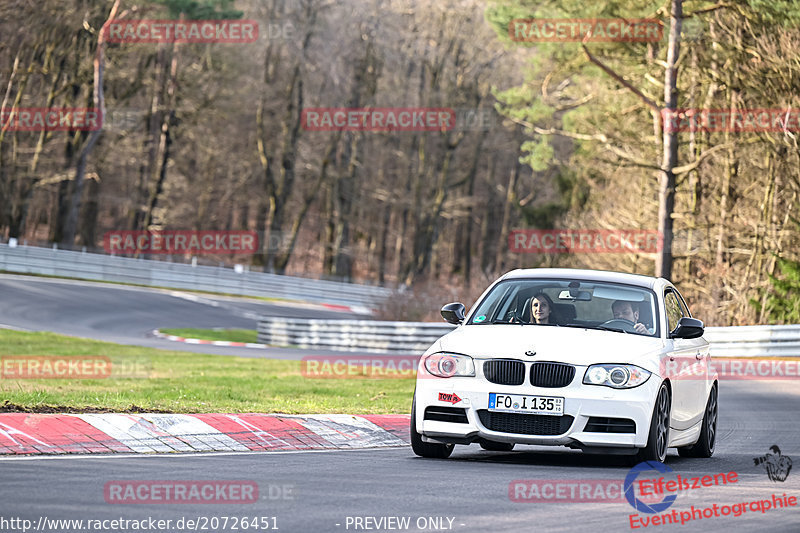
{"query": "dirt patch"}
(9, 407)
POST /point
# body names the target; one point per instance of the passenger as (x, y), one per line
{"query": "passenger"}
(542, 310)
(629, 311)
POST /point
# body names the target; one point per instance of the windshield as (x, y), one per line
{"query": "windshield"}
(565, 302)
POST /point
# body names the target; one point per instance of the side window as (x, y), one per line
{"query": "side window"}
(684, 307)
(673, 310)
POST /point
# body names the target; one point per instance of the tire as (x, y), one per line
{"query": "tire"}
(658, 436)
(494, 446)
(431, 450)
(704, 447)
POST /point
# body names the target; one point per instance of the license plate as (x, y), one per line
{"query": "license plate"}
(521, 403)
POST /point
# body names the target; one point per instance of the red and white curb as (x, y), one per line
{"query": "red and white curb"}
(176, 338)
(356, 309)
(217, 302)
(28, 434)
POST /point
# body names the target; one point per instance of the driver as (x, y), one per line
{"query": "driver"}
(626, 310)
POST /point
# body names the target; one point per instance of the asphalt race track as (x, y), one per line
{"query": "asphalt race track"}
(331, 491)
(128, 315)
(315, 491)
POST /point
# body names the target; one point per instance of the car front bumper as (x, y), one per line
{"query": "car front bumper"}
(581, 402)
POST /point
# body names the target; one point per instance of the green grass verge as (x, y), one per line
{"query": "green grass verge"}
(145, 379)
(233, 335)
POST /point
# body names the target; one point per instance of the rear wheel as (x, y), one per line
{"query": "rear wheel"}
(494, 446)
(658, 437)
(431, 450)
(704, 447)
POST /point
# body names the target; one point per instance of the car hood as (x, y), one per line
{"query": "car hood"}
(561, 344)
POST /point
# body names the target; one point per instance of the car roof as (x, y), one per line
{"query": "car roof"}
(588, 275)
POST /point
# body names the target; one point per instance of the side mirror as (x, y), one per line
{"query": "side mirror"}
(454, 313)
(687, 328)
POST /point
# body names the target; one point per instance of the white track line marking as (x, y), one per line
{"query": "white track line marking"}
(176, 338)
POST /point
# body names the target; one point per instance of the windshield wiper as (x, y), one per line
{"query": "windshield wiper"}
(606, 328)
(521, 323)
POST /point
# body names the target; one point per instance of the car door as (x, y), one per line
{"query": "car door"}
(700, 371)
(687, 366)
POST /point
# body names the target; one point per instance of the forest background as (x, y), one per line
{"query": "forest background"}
(565, 135)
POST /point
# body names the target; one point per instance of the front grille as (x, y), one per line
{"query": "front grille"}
(446, 414)
(504, 371)
(523, 424)
(597, 424)
(551, 375)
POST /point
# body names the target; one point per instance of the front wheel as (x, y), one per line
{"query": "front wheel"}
(431, 450)
(704, 447)
(658, 437)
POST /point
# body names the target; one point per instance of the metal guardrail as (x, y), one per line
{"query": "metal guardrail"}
(100, 267)
(754, 341)
(351, 335)
(416, 337)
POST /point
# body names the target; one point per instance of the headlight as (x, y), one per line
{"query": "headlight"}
(616, 376)
(446, 365)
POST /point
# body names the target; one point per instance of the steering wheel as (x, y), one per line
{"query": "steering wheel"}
(511, 316)
(623, 323)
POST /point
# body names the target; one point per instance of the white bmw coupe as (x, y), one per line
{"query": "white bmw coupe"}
(599, 361)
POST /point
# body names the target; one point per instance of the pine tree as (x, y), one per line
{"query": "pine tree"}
(783, 301)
